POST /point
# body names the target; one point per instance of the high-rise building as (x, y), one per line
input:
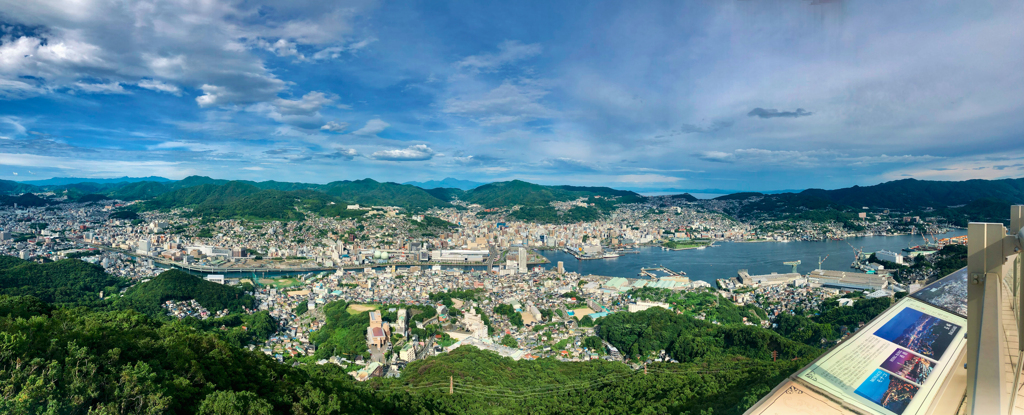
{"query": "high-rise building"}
(561, 267)
(145, 246)
(523, 257)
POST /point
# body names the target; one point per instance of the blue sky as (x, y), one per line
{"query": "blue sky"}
(744, 94)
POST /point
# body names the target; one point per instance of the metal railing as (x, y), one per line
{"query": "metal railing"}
(993, 264)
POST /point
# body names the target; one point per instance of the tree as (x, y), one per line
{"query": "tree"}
(234, 403)
(586, 321)
(593, 343)
(509, 341)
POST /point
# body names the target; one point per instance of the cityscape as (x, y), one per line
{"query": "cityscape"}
(233, 207)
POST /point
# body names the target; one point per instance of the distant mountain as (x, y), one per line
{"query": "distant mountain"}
(908, 194)
(139, 191)
(518, 192)
(12, 187)
(233, 200)
(60, 181)
(685, 196)
(447, 182)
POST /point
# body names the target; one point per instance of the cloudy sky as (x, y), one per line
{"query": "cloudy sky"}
(732, 94)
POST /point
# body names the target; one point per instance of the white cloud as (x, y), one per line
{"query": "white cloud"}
(372, 128)
(334, 52)
(507, 103)
(194, 44)
(154, 85)
(254, 168)
(11, 127)
(303, 112)
(190, 146)
(111, 88)
(646, 179)
(98, 167)
(509, 51)
(414, 153)
(334, 127)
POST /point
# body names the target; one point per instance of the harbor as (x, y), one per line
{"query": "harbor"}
(728, 257)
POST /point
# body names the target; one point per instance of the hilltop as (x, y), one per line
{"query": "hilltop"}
(178, 285)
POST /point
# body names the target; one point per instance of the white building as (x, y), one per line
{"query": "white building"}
(889, 256)
(144, 246)
(523, 261)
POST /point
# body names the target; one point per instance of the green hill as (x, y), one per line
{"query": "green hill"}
(518, 192)
(230, 200)
(511, 193)
(68, 281)
(92, 197)
(180, 286)
(8, 186)
(25, 200)
(138, 191)
(371, 192)
(685, 197)
(687, 339)
(68, 361)
(909, 194)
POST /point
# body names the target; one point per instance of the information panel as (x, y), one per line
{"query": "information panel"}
(948, 293)
(892, 366)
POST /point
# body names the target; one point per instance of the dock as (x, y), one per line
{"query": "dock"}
(649, 272)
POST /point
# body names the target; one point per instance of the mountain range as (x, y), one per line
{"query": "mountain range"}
(958, 201)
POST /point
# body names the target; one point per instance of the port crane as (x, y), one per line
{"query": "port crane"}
(857, 253)
(820, 260)
(794, 264)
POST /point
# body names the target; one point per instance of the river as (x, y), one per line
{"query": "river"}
(726, 258)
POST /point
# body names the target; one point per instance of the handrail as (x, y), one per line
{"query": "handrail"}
(988, 273)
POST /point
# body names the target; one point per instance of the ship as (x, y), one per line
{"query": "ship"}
(611, 255)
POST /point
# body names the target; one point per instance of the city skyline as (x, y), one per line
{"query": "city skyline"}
(729, 95)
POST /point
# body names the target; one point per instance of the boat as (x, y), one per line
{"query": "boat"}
(611, 255)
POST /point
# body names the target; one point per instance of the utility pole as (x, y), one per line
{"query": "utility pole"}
(451, 385)
(775, 355)
(645, 368)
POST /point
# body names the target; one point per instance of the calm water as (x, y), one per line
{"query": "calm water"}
(724, 260)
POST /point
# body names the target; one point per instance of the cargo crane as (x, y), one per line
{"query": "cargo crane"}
(820, 260)
(794, 264)
(857, 253)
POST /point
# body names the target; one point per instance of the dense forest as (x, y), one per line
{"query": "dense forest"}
(68, 281)
(704, 304)
(826, 327)
(686, 339)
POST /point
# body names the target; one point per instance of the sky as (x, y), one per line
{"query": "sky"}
(751, 95)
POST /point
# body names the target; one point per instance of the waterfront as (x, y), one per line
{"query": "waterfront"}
(723, 260)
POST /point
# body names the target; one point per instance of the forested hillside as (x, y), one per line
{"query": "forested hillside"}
(909, 194)
(690, 340)
(517, 192)
(371, 192)
(179, 286)
(74, 361)
(70, 281)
